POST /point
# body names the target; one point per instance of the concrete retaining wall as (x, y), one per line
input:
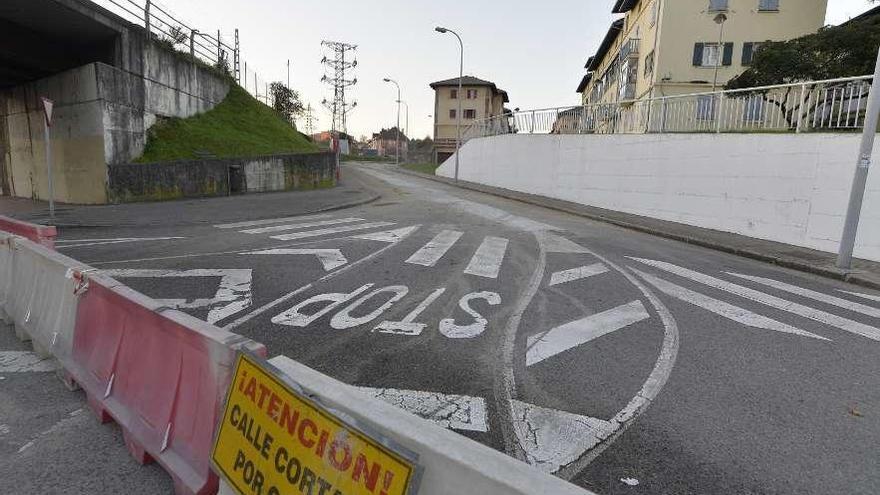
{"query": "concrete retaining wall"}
(787, 188)
(220, 177)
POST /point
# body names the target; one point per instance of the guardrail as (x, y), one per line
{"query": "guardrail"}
(828, 105)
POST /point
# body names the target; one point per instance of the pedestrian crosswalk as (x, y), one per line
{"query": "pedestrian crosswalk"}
(486, 260)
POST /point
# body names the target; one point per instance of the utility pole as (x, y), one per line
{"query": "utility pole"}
(397, 145)
(335, 76)
(237, 59)
(459, 116)
(863, 165)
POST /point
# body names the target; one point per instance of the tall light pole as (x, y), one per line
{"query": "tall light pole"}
(458, 115)
(406, 133)
(397, 150)
(720, 19)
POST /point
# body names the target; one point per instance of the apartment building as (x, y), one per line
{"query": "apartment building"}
(480, 99)
(672, 47)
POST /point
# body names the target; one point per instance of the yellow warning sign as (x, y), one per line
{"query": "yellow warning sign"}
(273, 441)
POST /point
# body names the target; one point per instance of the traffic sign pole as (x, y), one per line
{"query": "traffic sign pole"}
(47, 109)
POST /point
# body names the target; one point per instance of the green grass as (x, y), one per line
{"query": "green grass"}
(240, 126)
(425, 168)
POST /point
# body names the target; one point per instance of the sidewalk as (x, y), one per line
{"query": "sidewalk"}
(350, 192)
(865, 273)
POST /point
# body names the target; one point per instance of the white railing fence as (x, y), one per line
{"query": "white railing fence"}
(829, 105)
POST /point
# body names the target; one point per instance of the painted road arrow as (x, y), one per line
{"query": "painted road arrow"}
(329, 258)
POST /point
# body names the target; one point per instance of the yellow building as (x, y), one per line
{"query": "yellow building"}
(479, 100)
(671, 47)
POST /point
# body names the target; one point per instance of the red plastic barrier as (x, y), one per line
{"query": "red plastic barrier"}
(41, 234)
(160, 374)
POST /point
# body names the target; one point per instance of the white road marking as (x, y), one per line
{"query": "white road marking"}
(722, 308)
(431, 252)
(629, 481)
(300, 226)
(233, 295)
(579, 332)
(565, 276)
(552, 439)
(811, 294)
(334, 230)
(408, 325)
(344, 319)
(269, 221)
(448, 327)
(457, 412)
(102, 242)
(329, 258)
(768, 300)
(25, 362)
(486, 262)
(389, 235)
(70, 421)
(863, 296)
(555, 244)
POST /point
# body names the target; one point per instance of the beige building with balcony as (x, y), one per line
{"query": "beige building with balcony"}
(479, 100)
(671, 47)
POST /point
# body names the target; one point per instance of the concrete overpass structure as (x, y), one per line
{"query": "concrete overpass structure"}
(109, 82)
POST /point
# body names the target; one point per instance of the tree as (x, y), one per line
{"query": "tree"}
(286, 101)
(849, 49)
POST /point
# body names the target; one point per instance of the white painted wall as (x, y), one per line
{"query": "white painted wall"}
(787, 188)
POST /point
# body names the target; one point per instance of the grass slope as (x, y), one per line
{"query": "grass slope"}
(239, 126)
(425, 168)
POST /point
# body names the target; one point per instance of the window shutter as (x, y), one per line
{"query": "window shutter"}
(728, 54)
(698, 54)
(748, 53)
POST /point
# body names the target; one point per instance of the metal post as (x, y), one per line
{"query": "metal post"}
(192, 42)
(720, 113)
(720, 19)
(800, 116)
(532, 129)
(147, 19)
(863, 165)
(458, 115)
(49, 170)
(219, 49)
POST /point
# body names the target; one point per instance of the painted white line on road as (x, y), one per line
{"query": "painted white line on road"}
(768, 300)
(811, 294)
(552, 439)
(70, 421)
(329, 258)
(334, 230)
(102, 242)
(25, 362)
(300, 226)
(457, 412)
(233, 295)
(579, 332)
(391, 236)
(487, 261)
(269, 221)
(565, 276)
(408, 325)
(722, 308)
(434, 250)
(863, 296)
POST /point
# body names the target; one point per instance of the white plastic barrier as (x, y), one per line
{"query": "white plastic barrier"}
(453, 464)
(43, 296)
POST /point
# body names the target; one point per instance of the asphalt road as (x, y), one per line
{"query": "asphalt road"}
(620, 361)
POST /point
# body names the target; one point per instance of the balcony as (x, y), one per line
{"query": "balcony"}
(630, 48)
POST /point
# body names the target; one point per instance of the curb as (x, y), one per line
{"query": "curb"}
(351, 204)
(850, 277)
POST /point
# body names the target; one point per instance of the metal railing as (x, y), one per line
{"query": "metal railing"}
(829, 105)
(207, 46)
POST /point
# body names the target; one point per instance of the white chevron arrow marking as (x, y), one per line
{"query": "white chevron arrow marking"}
(329, 258)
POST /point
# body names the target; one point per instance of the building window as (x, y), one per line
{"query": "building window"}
(749, 50)
(452, 114)
(470, 114)
(453, 93)
(472, 94)
(654, 12)
(710, 54)
(768, 5)
(717, 5)
(706, 107)
(649, 64)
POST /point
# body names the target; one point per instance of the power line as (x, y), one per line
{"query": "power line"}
(335, 76)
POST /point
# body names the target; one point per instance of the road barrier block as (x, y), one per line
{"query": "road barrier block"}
(43, 296)
(452, 464)
(6, 263)
(41, 234)
(160, 374)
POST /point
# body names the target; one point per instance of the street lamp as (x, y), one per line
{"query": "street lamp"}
(397, 148)
(443, 30)
(720, 19)
(407, 125)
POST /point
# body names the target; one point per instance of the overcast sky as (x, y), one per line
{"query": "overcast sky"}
(534, 50)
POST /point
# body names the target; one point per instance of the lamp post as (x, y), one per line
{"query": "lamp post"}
(720, 19)
(397, 147)
(443, 30)
(406, 127)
